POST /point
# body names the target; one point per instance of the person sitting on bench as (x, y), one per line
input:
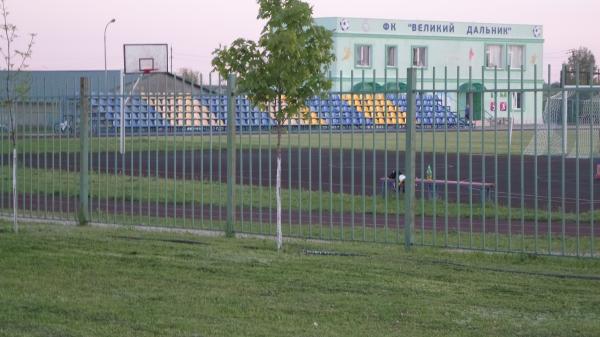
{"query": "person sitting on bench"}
(398, 178)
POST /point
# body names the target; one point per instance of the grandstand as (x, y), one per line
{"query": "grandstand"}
(187, 112)
(166, 101)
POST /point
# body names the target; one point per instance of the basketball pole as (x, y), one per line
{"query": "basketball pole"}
(122, 119)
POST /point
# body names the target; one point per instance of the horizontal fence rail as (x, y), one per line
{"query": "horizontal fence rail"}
(503, 160)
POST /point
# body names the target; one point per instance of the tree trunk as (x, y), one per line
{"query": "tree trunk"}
(278, 189)
(278, 179)
(14, 190)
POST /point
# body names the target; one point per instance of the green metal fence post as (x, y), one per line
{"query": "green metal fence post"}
(230, 155)
(84, 173)
(410, 153)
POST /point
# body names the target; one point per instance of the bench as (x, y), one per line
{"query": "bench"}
(486, 189)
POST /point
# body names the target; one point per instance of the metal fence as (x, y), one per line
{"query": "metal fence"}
(513, 171)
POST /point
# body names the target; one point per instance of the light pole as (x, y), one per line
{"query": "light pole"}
(105, 69)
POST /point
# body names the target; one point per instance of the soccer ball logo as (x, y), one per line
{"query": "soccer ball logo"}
(344, 25)
(537, 31)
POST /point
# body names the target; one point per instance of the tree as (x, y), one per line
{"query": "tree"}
(584, 60)
(288, 62)
(15, 60)
(189, 75)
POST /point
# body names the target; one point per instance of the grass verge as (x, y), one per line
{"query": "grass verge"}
(63, 281)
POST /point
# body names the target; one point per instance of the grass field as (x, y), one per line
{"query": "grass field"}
(390, 140)
(464, 141)
(168, 191)
(61, 281)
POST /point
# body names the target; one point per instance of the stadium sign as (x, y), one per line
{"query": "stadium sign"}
(430, 28)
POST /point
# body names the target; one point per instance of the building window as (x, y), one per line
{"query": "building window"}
(515, 56)
(517, 100)
(419, 57)
(391, 56)
(494, 56)
(363, 55)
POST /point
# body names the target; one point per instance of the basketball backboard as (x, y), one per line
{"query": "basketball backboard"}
(146, 58)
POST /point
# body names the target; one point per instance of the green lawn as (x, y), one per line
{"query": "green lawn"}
(73, 281)
(428, 140)
(170, 191)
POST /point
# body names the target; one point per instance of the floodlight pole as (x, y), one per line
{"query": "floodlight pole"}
(105, 67)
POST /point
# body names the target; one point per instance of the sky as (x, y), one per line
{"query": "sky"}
(70, 33)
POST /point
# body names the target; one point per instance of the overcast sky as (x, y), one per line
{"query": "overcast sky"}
(70, 32)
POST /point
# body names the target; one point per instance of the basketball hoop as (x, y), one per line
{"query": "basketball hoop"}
(140, 60)
(144, 59)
